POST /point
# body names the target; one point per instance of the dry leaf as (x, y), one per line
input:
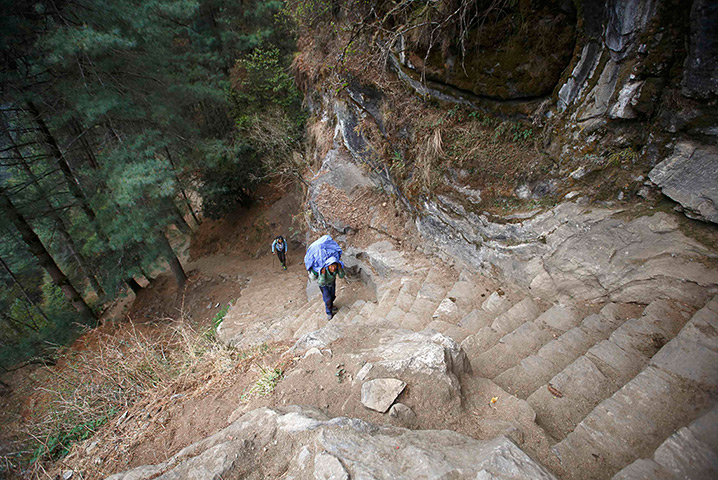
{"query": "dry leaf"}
(554, 392)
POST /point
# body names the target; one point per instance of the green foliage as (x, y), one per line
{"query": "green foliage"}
(145, 97)
(211, 332)
(44, 338)
(58, 445)
(231, 173)
(619, 157)
(265, 385)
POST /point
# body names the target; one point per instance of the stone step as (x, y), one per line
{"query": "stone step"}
(453, 331)
(331, 330)
(525, 340)
(524, 311)
(427, 300)
(295, 320)
(412, 322)
(407, 294)
(605, 368)
(680, 384)
(511, 349)
(691, 452)
(496, 303)
(387, 299)
(536, 370)
(475, 320)
(465, 295)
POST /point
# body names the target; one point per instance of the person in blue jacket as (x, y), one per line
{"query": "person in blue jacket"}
(280, 246)
(327, 278)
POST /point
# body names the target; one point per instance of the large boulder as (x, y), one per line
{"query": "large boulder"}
(690, 177)
(303, 443)
(429, 362)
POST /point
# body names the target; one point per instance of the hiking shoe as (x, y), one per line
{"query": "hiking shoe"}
(284, 267)
(335, 309)
(330, 316)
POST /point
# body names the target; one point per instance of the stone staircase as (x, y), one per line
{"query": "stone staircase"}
(607, 384)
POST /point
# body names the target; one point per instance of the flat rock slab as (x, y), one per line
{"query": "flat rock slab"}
(379, 394)
(303, 443)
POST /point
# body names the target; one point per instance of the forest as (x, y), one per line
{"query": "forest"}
(121, 119)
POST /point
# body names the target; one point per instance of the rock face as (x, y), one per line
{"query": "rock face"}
(637, 261)
(303, 443)
(690, 177)
(700, 79)
(503, 62)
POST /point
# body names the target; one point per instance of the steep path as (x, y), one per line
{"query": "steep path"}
(586, 389)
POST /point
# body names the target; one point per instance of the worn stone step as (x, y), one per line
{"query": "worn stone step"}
(457, 333)
(310, 309)
(395, 315)
(412, 322)
(476, 320)
(581, 385)
(524, 311)
(407, 294)
(428, 298)
(496, 303)
(387, 299)
(691, 452)
(465, 294)
(447, 311)
(609, 365)
(536, 370)
(330, 330)
(476, 344)
(525, 340)
(439, 325)
(680, 383)
(511, 349)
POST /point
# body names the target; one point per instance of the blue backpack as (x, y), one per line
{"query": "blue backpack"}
(321, 252)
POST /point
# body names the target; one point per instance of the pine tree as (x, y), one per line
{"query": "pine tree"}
(35, 246)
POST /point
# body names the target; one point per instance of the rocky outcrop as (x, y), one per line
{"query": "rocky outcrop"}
(505, 56)
(700, 78)
(636, 261)
(690, 177)
(303, 443)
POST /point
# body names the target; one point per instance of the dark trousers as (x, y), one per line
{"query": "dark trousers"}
(328, 295)
(280, 255)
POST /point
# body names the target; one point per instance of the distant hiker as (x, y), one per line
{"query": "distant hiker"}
(280, 246)
(323, 263)
(327, 277)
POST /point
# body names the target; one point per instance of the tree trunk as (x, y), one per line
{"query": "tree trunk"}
(61, 225)
(55, 151)
(44, 258)
(179, 183)
(179, 219)
(169, 254)
(24, 292)
(82, 138)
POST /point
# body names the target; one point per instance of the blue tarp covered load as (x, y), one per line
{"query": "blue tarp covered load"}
(321, 253)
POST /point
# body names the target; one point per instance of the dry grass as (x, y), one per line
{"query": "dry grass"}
(122, 374)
